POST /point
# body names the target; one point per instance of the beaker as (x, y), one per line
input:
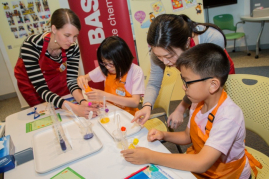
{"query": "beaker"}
(87, 130)
(119, 139)
(103, 114)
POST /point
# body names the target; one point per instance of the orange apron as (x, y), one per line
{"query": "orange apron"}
(116, 87)
(218, 169)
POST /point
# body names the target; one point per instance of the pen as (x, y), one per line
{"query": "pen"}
(137, 172)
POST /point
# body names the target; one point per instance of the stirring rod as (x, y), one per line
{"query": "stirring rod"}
(104, 102)
(56, 123)
(69, 109)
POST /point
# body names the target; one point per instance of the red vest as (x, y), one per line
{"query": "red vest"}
(55, 79)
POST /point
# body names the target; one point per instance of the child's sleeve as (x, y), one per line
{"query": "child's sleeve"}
(138, 86)
(97, 75)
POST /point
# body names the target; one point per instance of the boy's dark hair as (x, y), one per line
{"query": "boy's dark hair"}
(206, 60)
(116, 50)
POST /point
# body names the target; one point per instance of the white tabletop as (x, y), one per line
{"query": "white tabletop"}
(106, 163)
(254, 19)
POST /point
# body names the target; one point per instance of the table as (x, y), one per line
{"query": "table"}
(106, 163)
(256, 19)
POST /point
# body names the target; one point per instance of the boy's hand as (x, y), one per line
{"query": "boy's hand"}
(154, 134)
(138, 156)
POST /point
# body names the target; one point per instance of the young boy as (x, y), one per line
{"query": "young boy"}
(216, 126)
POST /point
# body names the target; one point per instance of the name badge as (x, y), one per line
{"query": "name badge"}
(62, 67)
(120, 91)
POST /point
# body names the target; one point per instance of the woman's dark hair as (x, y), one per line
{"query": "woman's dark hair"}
(170, 30)
(60, 17)
(206, 60)
(115, 49)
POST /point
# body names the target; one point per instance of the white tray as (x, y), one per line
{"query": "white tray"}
(125, 118)
(47, 151)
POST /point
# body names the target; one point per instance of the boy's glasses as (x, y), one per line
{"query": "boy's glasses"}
(186, 83)
(107, 64)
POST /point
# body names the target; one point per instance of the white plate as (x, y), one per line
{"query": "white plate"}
(47, 151)
(125, 119)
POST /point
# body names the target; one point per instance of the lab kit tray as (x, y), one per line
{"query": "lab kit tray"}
(47, 151)
(125, 120)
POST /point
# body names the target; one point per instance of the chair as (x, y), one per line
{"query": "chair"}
(171, 74)
(226, 22)
(250, 93)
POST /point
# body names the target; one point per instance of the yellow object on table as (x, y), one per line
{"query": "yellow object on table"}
(132, 145)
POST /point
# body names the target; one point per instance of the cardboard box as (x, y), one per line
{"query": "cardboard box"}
(261, 12)
(7, 150)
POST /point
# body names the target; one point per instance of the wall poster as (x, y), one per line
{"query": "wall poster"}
(27, 17)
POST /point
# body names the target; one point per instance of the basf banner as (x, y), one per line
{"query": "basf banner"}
(101, 19)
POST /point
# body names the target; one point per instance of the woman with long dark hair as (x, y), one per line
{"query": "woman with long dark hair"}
(169, 35)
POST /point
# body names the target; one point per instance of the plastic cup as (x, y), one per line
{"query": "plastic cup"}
(87, 132)
(103, 116)
(119, 140)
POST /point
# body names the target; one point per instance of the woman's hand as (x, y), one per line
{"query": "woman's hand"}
(142, 115)
(83, 81)
(93, 107)
(175, 119)
(96, 94)
(155, 134)
(138, 156)
(82, 110)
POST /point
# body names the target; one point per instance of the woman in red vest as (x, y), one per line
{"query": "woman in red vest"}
(47, 68)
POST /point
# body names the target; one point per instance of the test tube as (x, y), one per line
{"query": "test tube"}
(104, 102)
(62, 142)
(56, 124)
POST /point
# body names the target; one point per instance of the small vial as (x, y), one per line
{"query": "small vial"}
(124, 141)
(104, 117)
(62, 143)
